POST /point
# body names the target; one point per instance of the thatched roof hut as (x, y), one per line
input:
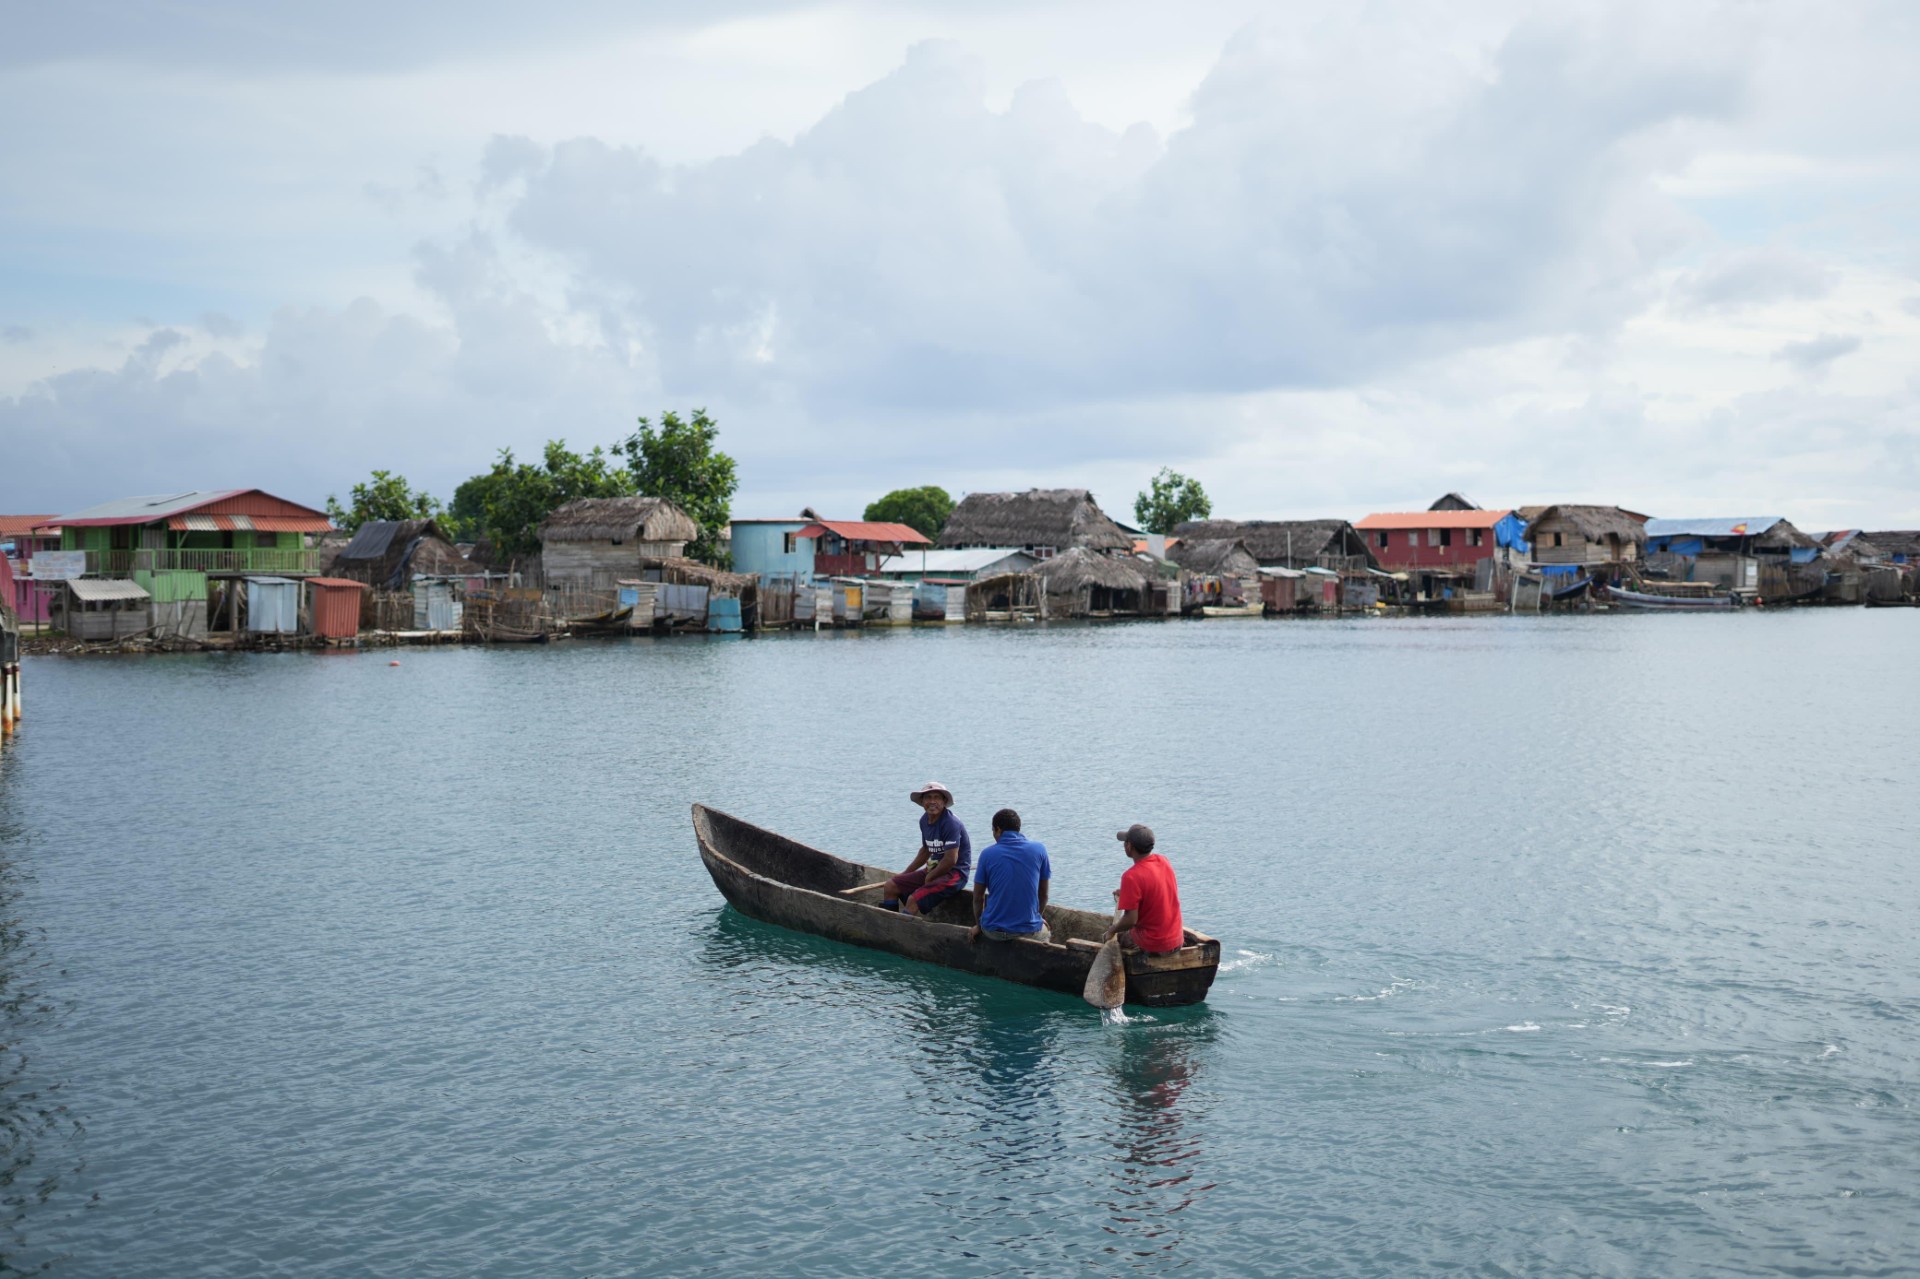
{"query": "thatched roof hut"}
(389, 554)
(1900, 545)
(1044, 520)
(1330, 544)
(619, 520)
(1079, 582)
(1214, 556)
(595, 542)
(1570, 534)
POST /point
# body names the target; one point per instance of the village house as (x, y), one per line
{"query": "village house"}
(595, 542)
(855, 548)
(1042, 522)
(1748, 555)
(388, 554)
(21, 538)
(173, 546)
(1295, 544)
(956, 566)
(1452, 539)
(1084, 583)
(1585, 536)
(768, 549)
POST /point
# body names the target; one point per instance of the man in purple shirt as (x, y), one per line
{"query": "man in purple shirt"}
(939, 869)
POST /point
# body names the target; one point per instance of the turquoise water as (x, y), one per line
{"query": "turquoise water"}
(1555, 946)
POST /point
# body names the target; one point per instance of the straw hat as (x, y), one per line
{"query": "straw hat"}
(932, 788)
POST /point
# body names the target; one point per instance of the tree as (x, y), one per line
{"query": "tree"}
(515, 498)
(677, 461)
(924, 509)
(1171, 500)
(385, 496)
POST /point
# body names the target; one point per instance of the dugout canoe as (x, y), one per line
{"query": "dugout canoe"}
(784, 882)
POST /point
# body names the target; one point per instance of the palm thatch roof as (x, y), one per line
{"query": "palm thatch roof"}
(1285, 543)
(1892, 542)
(390, 553)
(1214, 555)
(1783, 533)
(1059, 518)
(1453, 502)
(1595, 523)
(1071, 571)
(619, 519)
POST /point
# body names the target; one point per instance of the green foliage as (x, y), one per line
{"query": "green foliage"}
(512, 500)
(385, 496)
(677, 461)
(1171, 500)
(924, 509)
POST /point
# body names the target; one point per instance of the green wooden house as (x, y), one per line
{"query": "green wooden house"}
(172, 544)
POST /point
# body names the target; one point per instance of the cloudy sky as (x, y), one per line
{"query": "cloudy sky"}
(1327, 257)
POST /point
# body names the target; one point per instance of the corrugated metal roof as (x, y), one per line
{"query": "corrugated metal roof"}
(1392, 520)
(1751, 526)
(142, 510)
(971, 560)
(217, 503)
(96, 589)
(249, 524)
(20, 525)
(867, 531)
(339, 582)
(370, 540)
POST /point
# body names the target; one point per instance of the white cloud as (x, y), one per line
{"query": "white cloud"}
(1357, 256)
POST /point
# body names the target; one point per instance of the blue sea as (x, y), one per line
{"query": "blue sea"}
(1554, 946)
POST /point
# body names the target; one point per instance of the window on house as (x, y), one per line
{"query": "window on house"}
(1556, 539)
(1479, 537)
(1446, 537)
(786, 543)
(1413, 538)
(1383, 541)
(1433, 537)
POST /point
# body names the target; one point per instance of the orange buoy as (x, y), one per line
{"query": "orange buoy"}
(393, 663)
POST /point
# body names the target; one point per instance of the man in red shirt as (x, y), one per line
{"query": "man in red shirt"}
(1149, 898)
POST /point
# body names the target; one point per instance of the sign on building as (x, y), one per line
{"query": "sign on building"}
(59, 566)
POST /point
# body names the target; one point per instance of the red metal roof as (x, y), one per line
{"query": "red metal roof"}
(336, 581)
(228, 502)
(1433, 519)
(866, 531)
(20, 525)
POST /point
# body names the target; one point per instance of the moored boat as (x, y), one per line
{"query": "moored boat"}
(1643, 600)
(784, 882)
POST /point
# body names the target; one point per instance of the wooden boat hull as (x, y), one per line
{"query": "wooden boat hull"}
(781, 881)
(1666, 603)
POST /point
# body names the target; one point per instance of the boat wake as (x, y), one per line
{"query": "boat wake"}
(1118, 1017)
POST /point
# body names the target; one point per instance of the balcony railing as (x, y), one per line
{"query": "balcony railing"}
(253, 560)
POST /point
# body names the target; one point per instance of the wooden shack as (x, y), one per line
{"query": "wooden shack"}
(388, 554)
(1588, 536)
(1084, 583)
(105, 608)
(1214, 557)
(594, 543)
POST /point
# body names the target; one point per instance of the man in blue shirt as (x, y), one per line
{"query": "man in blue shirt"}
(939, 869)
(1010, 887)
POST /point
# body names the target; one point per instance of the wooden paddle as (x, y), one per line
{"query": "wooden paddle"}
(1107, 980)
(861, 888)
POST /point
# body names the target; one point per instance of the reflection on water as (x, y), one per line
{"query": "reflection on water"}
(39, 1135)
(1160, 1142)
(1025, 1104)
